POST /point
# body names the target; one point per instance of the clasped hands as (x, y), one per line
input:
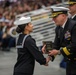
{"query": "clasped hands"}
(53, 52)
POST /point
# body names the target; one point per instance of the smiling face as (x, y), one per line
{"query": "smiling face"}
(59, 15)
(60, 19)
(29, 28)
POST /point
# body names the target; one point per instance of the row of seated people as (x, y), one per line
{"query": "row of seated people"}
(6, 41)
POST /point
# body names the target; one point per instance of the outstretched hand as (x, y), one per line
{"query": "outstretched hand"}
(47, 60)
(53, 52)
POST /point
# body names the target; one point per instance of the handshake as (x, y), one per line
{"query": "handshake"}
(51, 54)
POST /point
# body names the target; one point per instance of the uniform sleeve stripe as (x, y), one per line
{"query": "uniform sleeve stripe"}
(66, 51)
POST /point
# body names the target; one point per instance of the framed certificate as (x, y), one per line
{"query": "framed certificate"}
(49, 45)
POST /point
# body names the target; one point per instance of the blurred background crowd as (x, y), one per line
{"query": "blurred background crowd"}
(9, 9)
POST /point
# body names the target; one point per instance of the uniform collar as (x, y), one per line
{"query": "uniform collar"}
(73, 16)
(64, 24)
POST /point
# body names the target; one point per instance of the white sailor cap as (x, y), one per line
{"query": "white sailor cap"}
(58, 10)
(22, 20)
(1, 20)
(7, 21)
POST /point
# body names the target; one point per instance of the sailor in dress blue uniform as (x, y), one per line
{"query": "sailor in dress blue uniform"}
(27, 50)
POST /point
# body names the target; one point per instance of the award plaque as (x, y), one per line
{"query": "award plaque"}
(49, 45)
